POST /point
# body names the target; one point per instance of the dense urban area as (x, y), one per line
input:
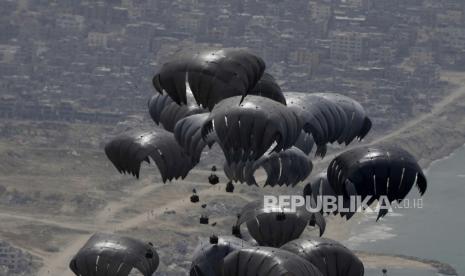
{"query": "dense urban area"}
(78, 61)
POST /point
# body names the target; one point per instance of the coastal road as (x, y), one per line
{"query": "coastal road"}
(457, 79)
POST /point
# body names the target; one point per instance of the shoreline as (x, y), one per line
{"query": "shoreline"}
(410, 262)
(447, 156)
(378, 260)
(424, 139)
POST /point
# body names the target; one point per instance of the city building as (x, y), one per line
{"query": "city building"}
(349, 46)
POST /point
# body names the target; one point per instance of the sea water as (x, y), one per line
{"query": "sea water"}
(435, 231)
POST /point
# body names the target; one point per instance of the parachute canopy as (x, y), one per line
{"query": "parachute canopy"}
(287, 167)
(272, 227)
(268, 88)
(329, 256)
(188, 134)
(357, 124)
(108, 254)
(378, 170)
(128, 151)
(329, 117)
(267, 261)
(208, 257)
(164, 110)
(211, 75)
(245, 131)
(305, 142)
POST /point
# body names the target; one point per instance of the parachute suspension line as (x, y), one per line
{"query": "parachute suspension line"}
(388, 182)
(96, 263)
(119, 268)
(374, 183)
(270, 148)
(280, 167)
(188, 87)
(258, 226)
(339, 172)
(402, 178)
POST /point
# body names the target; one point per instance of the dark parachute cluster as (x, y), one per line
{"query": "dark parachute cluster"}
(275, 248)
(226, 97)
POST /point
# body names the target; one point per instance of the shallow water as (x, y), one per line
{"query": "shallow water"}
(399, 272)
(436, 231)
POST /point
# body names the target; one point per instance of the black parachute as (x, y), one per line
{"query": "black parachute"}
(208, 257)
(268, 88)
(127, 152)
(305, 142)
(329, 256)
(188, 133)
(211, 75)
(240, 172)
(245, 131)
(272, 227)
(329, 117)
(266, 261)
(357, 124)
(378, 170)
(318, 188)
(287, 167)
(164, 110)
(109, 254)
